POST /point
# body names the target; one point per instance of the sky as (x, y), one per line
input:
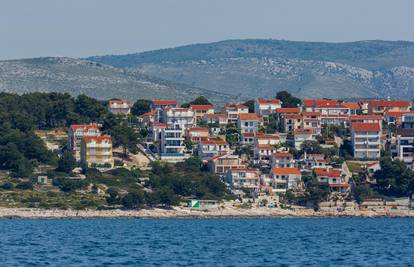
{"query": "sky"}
(81, 28)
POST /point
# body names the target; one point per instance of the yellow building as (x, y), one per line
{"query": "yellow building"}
(96, 151)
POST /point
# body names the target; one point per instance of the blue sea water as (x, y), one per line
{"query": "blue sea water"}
(208, 242)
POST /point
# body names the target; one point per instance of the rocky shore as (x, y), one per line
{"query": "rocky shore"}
(177, 212)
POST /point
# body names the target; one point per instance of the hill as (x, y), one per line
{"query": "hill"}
(74, 76)
(253, 68)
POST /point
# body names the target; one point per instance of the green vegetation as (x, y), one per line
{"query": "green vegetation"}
(201, 100)
(288, 101)
(141, 106)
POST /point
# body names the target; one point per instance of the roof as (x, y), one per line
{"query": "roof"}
(302, 131)
(159, 125)
(288, 110)
(367, 117)
(388, 103)
(97, 139)
(351, 105)
(248, 116)
(201, 107)
(311, 113)
(198, 129)
(323, 103)
(119, 102)
(267, 136)
(397, 113)
(213, 142)
(370, 127)
(328, 172)
(248, 134)
(244, 169)
(339, 185)
(269, 101)
(84, 126)
(149, 113)
(293, 116)
(216, 157)
(279, 171)
(164, 102)
(235, 106)
(216, 115)
(282, 155)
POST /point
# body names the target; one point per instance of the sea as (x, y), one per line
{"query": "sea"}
(208, 242)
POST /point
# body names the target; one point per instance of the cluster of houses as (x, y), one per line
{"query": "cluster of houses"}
(177, 133)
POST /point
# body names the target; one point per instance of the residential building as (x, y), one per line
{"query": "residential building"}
(379, 107)
(172, 143)
(248, 123)
(302, 135)
(283, 179)
(147, 119)
(185, 117)
(218, 118)
(248, 139)
(366, 140)
(233, 110)
(77, 132)
(201, 110)
(261, 139)
(220, 164)
(292, 122)
(326, 107)
(263, 153)
(155, 132)
(310, 161)
(244, 178)
(334, 179)
(211, 148)
(119, 107)
(366, 119)
(312, 121)
(282, 160)
(159, 105)
(405, 140)
(197, 134)
(96, 151)
(265, 107)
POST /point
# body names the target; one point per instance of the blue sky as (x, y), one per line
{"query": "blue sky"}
(79, 28)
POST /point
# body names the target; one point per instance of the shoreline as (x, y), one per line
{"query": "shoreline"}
(186, 213)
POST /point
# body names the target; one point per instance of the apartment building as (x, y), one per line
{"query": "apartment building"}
(282, 160)
(263, 153)
(261, 139)
(379, 107)
(333, 178)
(119, 107)
(366, 140)
(172, 143)
(96, 151)
(197, 134)
(302, 135)
(232, 111)
(159, 105)
(75, 134)
(219, 119)
(220, 164)
(248, 123)
(265, 107)
(282, 179)
(211, 148)
(201, 110)
(312, 121)
(185, 117)
(244, 178)
(405, 140)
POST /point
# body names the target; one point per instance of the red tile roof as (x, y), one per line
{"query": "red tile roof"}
(84, 126)
(369, 127)
(268, 101)
(266, 147)
(327, 172)
(267, 136)
(97, 139)
(281, 171)
(201, 107)
(198, 129)
(311, 113)
(302, 131)
(351, 105)
(164, 102)
(323, 103)
(293, 116)
(388, 103)
(216, 115)
(288, 110)
(248, 117)
(214, 142)
(367, 117)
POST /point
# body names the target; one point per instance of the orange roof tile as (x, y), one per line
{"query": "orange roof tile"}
(97, 139)
(328, 172)
(281, 171)
(388, 103)
(84, 126)
(370, 127)
(268, 101)
(214, 142)
(198, 129)
(201, 107)
(367, 117)
(248, 117)
(164, 102)
(282, 155)
(288, 110)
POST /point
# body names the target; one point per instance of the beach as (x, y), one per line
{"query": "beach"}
(179, 212)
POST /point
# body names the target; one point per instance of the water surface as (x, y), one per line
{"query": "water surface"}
(208, 242)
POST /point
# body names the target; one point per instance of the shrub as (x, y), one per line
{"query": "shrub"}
(7, 186)
(25, 186)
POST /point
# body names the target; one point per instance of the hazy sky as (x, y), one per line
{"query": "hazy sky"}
(78, 28)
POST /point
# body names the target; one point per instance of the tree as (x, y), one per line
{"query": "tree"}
(90, 108)
(288, 101)
(394, 178)
(141, 106)
(315, 191)
(201, 100)
(133, 200)
(67, 162)
(124, 136)
(311, 147)
(250, 105)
